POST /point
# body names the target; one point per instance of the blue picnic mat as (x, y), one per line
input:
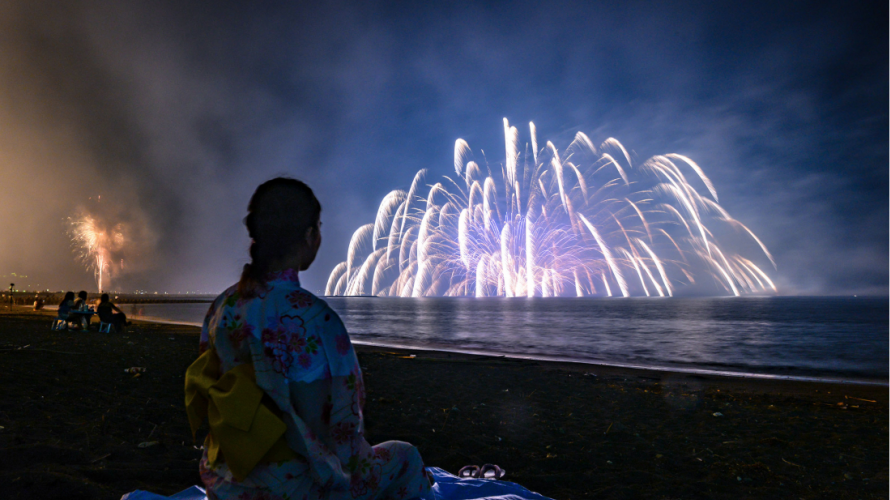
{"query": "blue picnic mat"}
(447, 487)
(193, 493)
(451, 487)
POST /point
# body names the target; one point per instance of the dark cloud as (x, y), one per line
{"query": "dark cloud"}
(173, 114)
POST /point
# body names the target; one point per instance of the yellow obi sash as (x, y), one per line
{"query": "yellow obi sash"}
(243, 431)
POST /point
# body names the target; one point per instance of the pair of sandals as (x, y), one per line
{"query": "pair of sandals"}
(487, 471)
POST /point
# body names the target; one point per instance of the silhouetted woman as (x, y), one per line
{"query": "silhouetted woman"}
(66, 305)
(280, 381)
(80, 305)
(106, 312)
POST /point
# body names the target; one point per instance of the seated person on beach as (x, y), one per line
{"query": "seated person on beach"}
(106, 312)
(280, 380)
(80, 305)
(66, 305)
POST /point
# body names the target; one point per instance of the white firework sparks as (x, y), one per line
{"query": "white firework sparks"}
(563, 223)
(94, 244)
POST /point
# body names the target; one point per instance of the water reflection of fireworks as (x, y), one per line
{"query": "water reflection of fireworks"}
(94, 244)
(582, 222)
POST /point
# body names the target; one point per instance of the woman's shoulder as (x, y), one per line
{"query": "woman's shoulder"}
(277, 301)
(222, 299)
(304, 303)
(315, 313)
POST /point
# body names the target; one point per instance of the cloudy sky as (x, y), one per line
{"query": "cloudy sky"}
(174, 113)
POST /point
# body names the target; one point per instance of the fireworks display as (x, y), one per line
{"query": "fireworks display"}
(582, 221)
(96, 244)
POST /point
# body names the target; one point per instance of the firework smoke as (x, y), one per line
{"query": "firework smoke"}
(584, 221)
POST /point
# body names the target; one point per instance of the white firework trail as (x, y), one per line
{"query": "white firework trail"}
(560, 223)
(94, 243)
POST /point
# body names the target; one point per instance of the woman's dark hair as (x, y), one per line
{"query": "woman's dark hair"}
(68, 296)
(82, 294)
(104, 298)
(278, 215)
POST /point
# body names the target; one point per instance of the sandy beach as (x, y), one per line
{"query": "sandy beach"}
(74, 425)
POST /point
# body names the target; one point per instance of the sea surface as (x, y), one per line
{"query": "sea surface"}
(798, 337)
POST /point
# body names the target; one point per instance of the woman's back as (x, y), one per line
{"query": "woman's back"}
(303, 359)
(297, 334)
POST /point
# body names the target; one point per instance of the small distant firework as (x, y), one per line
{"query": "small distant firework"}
(584, 221)
(95, 243)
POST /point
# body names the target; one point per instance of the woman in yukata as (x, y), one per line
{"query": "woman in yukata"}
(269, 329)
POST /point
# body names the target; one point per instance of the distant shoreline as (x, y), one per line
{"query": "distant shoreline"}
(629, 369)
(589, 364)
(54, 298)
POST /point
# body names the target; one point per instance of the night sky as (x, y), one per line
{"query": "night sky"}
(173, 114)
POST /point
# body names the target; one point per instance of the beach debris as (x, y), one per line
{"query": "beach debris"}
(100, 458)
(135, 369)
(718, 414)
(609, 462)
(410, 356)
(147, 444)
(859, 399)
(551, 455)
(610, 428)
(659, 455)
(589, 374)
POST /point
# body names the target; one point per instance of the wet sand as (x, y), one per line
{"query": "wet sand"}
(72, 421)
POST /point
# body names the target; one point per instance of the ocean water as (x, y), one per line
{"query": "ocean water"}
(820, 337)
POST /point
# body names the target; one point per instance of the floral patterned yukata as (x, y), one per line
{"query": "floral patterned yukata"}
(305, 362)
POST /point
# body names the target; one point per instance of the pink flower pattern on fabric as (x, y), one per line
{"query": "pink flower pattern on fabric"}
(342, 433)
(300, 299)
(342, 343)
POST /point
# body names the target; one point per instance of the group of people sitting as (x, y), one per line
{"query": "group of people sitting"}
(78, 311)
